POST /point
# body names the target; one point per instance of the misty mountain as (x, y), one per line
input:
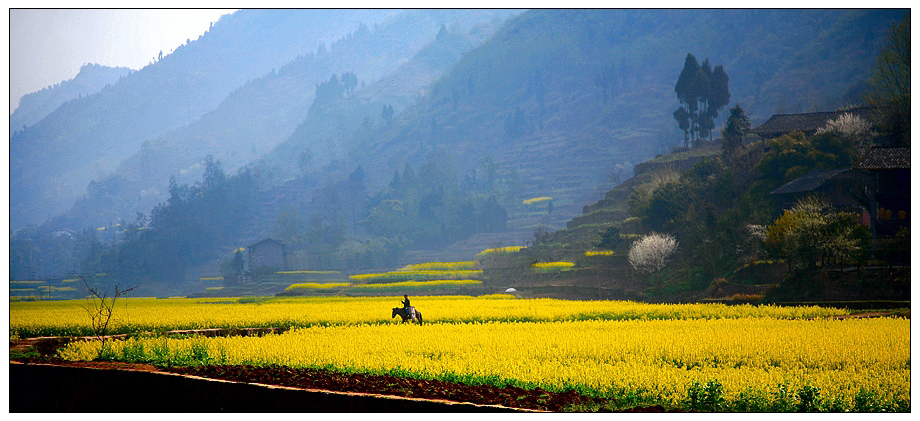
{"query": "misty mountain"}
(561, 97)
(549, 105)
(53, 160)
(35, 106)
(264, 111)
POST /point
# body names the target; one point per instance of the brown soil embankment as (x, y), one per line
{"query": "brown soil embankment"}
(52, 388)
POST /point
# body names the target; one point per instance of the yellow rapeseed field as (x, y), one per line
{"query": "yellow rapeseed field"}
(44, 318)
(420, 284)
(417, 275)
(499, 250)
(536, 200)
(465, 265)
(593, 253)
(552, 265)
(656, 359)
(317, 285)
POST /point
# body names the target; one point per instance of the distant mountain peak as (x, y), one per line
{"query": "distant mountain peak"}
(35, 106)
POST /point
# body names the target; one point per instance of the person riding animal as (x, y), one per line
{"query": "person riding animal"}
(406, 307)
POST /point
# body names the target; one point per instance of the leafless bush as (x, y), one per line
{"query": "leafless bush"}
(101, 307)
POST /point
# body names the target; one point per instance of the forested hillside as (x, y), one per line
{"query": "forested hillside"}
(556, 106)
(761, 217)
(559, 99)
(264, 111)
(53, 160)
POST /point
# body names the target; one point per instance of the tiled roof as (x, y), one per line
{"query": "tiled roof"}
(885, 159)
(267, 240)
(808, 123)
(808, 182)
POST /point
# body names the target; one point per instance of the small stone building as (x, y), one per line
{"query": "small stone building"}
(267, 255)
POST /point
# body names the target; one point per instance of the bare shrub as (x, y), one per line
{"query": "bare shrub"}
(100, 308)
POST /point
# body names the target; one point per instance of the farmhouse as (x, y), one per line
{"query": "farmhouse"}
(880, 181)
(809, 123)
(834, 185)
(267, 255)
(888, 174)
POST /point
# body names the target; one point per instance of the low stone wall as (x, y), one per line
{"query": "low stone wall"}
(48, 388)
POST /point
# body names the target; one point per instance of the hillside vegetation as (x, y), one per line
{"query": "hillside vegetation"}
(506, 129)
(53, 160)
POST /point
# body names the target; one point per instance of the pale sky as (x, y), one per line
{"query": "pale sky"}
(48, 46)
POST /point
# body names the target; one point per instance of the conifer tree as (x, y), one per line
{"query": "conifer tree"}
(702, 92)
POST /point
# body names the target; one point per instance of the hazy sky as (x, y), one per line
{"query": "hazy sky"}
(48, 46)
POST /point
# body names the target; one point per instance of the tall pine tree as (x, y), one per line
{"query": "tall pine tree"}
(702, 92)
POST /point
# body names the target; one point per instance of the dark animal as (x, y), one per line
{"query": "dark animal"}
(406, 316)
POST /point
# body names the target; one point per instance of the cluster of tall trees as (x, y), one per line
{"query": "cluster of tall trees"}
(184, 231)
(424, 207)
(702, 91)
(333, 89)
(430, 208)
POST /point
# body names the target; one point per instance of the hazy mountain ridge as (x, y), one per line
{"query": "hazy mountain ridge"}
(528, 99)
(90, 79)
(264, 111)
(541, 66)
(560, 99)
(53, 160)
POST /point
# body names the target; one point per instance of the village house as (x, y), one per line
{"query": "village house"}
(888, 173)
(267, 255)
(833, 185)
(809, 123)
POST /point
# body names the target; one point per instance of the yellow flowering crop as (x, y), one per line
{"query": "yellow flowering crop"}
(509, 249)
(308, 272)
(68, 317)
(317, 285)
(592, 253)
(416, 275)
(468, 265)
(412, 284)
(536, 200)
(656, 359)
(552, 265)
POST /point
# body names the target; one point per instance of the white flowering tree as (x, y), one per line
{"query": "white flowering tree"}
(853, 129)
(651, 252)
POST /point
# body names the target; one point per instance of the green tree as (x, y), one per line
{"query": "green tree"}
(683, 121)
(702, 92)
(349, 82)
(289, 226)
(736, 126)
(387, 218)
(689, 89)
(717, 96)
(891, 83)
(387, 113)
(812, 235)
